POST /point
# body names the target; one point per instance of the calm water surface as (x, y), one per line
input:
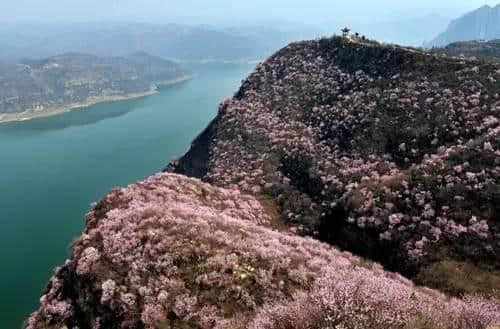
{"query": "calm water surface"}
(51, 169)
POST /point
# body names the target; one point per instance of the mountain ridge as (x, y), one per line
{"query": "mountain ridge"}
(353, 103)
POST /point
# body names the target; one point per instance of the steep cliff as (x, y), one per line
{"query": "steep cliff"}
(173, 252)
(388, 152)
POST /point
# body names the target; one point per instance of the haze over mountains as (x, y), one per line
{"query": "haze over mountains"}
(204, 39)
(405, 31)
(480, 24)
(172, 41)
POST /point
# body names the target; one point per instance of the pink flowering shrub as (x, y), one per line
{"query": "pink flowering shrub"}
(389, 152)
(446, 198)
(364, 303)
(172, 254)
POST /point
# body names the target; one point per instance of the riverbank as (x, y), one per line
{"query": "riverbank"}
(220, 61)
(55, 110)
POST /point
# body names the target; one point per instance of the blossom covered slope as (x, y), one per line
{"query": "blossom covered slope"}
(388, 152)
(173, 252)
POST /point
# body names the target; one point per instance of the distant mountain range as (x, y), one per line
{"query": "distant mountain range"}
(480, 24)
(405, 31)
(56, 84)
(172, 41)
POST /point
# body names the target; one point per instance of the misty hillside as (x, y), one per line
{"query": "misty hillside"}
(410, 31)
(173, 41)
(65, 80)
(481, 24)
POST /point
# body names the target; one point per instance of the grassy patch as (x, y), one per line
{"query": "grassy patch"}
(458, 278)
(423, 323)
(271, 209)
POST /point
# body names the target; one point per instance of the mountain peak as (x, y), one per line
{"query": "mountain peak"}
(480, 24)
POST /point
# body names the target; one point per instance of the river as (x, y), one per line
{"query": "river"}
(52, 168)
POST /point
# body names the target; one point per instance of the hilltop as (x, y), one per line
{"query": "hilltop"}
(389, 152)
(57, 84)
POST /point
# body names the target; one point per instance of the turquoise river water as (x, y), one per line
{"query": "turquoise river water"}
(52, 168)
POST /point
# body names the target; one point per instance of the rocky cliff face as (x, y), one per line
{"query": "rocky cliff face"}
(173, 252)
(480, 24)
(391, 153)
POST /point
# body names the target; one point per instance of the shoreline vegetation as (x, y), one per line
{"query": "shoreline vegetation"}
(60, 109)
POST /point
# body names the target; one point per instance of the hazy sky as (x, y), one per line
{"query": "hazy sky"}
(227, 11)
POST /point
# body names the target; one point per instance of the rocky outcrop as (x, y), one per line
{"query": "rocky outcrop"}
(173, 252)
(388, 152)
(197, 163)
